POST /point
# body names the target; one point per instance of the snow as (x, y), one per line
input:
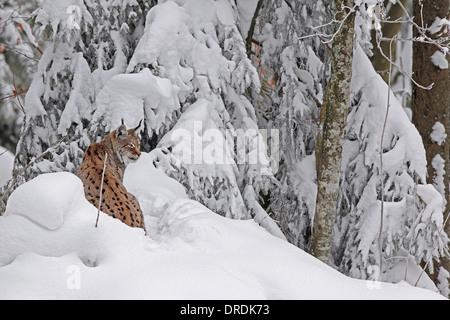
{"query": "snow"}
(246, 9)
(60, 191)
(443, 286)
(409, 143)
(50, 249)
(412, 209)
(407, 268)
(224, 13)
(130, 96)
(77, 103)
(433, 200)
(438, 134)
(191, 138)
(62, 14)
(438, 163)
(187, 74)
(165, 32)
(438, 24)
(439, 59)
(6, 165)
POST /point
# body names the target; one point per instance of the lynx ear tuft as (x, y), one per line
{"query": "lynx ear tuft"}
(121, 131)
(138, 126)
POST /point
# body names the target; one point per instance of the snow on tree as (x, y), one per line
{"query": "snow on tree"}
(412, 218)
(87, 43)
(182, 66)
(17, 64)
(197, 47)
(354, 248)
(293, 77)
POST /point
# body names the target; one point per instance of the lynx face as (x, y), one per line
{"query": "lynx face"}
(126, 144)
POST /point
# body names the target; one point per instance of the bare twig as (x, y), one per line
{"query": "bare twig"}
(289, 5)
(101, 189)
(412, 233)
(15, 89)
(5, 151)
(442, 43)
(331, 37)
(423, 29)
(391, 63)
(22, 53)
(13, 95)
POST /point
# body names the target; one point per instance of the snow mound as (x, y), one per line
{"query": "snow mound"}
(46, 199)
(50, 249)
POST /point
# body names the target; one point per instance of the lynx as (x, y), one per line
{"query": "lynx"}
(122, 147)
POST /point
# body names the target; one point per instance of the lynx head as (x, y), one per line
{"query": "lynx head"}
(126, 143)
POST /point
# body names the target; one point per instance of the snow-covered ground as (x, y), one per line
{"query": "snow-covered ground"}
(50, 249)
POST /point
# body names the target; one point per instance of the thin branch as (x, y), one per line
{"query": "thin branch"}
(421, 40)
(15, 89)
(13, 95)
(21, 53)
(380, 237)
(400, 69)
(5, 151)
(331, 37)
(422, 29)
(251, 30)
(289, 5)
(101, 189)
(412, 233)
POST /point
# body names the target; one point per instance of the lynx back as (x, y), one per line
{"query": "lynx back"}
(122, 147)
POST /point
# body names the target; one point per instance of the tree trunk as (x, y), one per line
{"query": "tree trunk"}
(251, 31)
(389, 30)
(329, 144)
(433, 106)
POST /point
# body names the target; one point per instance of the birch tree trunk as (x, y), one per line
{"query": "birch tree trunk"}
(333, 119)
(431, 108)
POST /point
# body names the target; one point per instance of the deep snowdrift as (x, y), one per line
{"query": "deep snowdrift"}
(50, 249)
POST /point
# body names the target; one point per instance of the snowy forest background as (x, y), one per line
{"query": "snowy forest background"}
(71, 69)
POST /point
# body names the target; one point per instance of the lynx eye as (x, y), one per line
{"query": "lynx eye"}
(131, 145)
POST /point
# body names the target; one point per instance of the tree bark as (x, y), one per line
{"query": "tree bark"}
(251, 31)
(432, 106)
(389, 30)
(329, 144)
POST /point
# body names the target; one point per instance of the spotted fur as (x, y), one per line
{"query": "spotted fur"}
(123, 147)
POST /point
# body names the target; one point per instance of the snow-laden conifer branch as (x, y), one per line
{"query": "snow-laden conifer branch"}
(12, 182)
(439, 234)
